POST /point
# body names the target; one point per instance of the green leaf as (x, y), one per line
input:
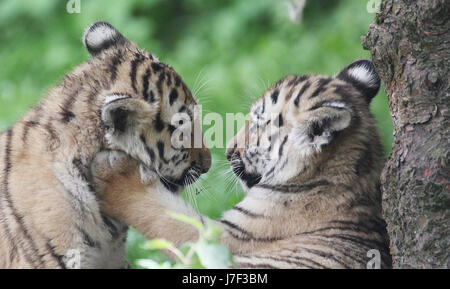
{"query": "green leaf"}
(147, 264)
(213, 233)
(213, 256)
(151, 264)
(157, 244)
(188, 220)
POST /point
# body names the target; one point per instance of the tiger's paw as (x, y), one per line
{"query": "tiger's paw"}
(110, 163)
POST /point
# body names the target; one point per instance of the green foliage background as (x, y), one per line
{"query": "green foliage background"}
(231, 50)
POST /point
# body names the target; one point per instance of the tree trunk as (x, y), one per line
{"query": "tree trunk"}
(410, 46)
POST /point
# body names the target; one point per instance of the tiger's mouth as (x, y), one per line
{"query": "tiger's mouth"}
(238, 167)
(190, 175)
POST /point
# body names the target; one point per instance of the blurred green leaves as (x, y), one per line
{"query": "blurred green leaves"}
(206, 253)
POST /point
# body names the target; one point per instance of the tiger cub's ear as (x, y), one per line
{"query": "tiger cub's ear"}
(362, 75)
(101, 35)
(123, 116)
(320, 126)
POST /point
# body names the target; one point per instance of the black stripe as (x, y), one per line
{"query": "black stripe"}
(134, 66)
(297, 79)
(359, 241)
(289, 95)
(66, 115)
(8, 236)
(88, 239)
(295, 188)
(341, 249)
(57, 257)
(159, 125)
(260, 266)
(156, 66)
(236, 227)
(66, 109)
(26, 128)
(177, 80)
(343, 91)
(173, 96)
(248, 235)
(152, 96)
(270, 171)
(280, 151)
(159, 84)
(365, 227)
(325, 255)
(115, 62)
(145, 81)
(111, 227)
(168, 79)
(247, 212)
(301, 92)
(280, 121)
(304, 259)
(371, 244)
(352, 229)
(160, 146)
(169, 185)
(82, 168)
(274, 96)
(284, 260)
(321, 86)
(36, 257)
(149, 151)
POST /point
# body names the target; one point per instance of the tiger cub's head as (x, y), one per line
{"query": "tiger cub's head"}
(308, 126)
(145, 108)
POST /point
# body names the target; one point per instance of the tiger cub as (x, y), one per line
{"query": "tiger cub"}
(309, 159)
(123, 98)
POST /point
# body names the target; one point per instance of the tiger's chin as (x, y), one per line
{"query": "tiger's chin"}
(248, 180)
(176, 185)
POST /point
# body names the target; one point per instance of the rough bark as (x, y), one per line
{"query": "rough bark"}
(410, 46)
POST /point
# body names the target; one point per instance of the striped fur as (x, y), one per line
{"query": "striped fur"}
(312, 180)
(122, 99)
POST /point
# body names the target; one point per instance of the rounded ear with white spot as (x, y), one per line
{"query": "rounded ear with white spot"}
(123, 115)
(362, 75)
(100, 36)
(320, 126)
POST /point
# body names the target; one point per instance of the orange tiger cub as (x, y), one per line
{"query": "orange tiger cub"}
(122, 98)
